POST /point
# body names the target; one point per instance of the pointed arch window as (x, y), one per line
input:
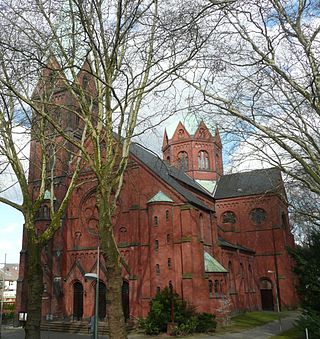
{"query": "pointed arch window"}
(210, 288)
(183, 161)
(203, 160)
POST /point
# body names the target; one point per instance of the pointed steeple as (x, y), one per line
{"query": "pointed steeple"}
(165, 140)
(52, 78)
(217, 137)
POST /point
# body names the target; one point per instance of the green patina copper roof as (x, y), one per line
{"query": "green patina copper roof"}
(211, 265)
(209, 185)
(47, 195)
(160, 197)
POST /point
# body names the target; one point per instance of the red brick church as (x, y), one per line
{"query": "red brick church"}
(218, 240)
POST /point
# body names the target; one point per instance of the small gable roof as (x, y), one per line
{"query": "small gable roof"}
(211, 265)
(170, 175)
(262, 181)
(160, 197)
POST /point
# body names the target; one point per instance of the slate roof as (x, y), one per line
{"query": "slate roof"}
(170, 174)
(255, 182)
(224, 243)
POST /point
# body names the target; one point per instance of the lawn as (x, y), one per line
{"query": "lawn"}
(293, 333)
(249, 320)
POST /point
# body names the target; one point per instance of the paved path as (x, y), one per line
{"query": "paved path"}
(261, 332)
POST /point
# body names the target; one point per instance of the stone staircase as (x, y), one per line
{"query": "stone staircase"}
(71, 327)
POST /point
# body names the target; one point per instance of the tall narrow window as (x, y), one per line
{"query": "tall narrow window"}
(216, 286)
(183, 161)
(210, 288)
(203, 160)
(168, 239)
(158, 289)
(167, 215)
(169, 263)
(156, 245)
(157, 269)
(156, 221)
(201, 222)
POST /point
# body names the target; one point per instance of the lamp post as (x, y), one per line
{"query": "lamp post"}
(277, 297)
(95, 276)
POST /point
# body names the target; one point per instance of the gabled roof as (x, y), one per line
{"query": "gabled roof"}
(170, 175)
(262, 181)
(211, 265)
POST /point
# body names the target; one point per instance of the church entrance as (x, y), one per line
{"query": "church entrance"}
(77, 301)
(102, 301)
(266, 295)
(125, 300)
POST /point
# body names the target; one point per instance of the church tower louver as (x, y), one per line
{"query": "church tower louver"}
(199, 155)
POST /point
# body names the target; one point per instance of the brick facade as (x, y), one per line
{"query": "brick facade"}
(170, 230)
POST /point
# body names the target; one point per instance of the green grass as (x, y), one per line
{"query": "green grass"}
(249, 320)
(293, 333)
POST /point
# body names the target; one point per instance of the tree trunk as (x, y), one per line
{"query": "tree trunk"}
(116, 323)
(35, 288)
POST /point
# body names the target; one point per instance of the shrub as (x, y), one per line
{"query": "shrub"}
(310, 320)
(187, 320)
(206, 323)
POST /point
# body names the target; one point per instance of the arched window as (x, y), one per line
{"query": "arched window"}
(123, 234)
(229, 218)
(45, 211)
(183, 161)
(216, 286)
(203, 160)
(241, 271)
(201, 222)
(156, 221)
(210, 288)
(258, 215)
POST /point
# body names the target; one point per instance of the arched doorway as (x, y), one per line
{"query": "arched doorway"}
(77, 301)
(102, 301)
(266, 294)
(125, 300)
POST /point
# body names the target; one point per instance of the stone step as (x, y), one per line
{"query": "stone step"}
(75, 327)
(71, 327)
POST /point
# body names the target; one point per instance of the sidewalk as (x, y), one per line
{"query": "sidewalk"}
(261, 332)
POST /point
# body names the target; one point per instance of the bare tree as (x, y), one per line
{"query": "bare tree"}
(132, 50)
(261, 75)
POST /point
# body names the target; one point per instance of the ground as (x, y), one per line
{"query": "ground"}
(265, 331)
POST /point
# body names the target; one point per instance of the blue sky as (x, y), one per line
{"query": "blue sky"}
(10, 233)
